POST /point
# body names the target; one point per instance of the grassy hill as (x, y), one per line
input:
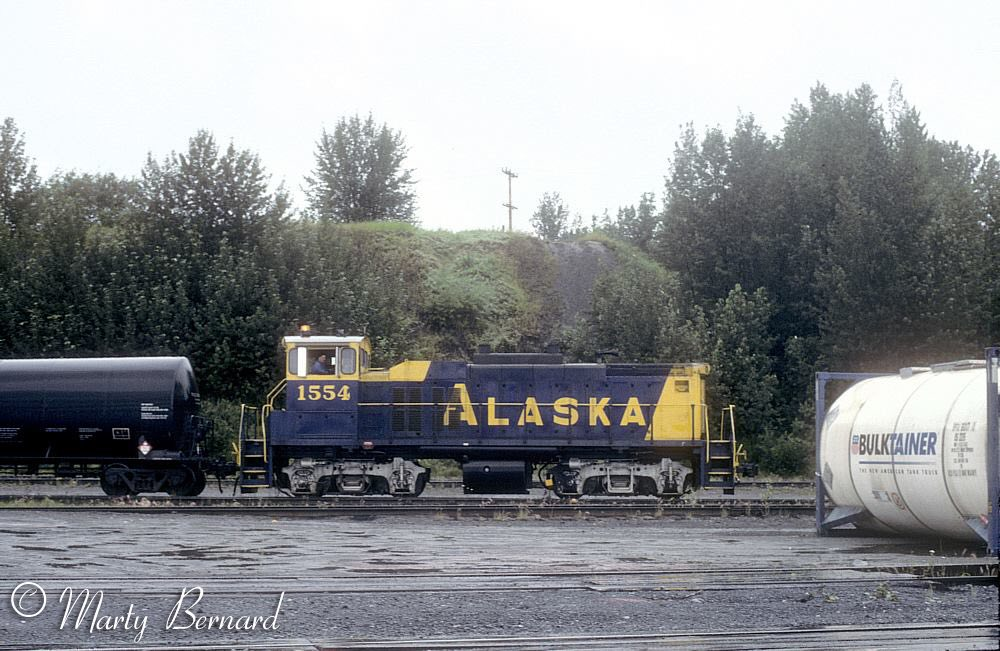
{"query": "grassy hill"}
(438, 294)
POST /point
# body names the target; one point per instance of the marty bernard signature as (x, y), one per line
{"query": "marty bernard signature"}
(85, 610)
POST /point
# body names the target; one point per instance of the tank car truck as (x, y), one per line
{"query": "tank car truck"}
(131, 421)
(587, 429)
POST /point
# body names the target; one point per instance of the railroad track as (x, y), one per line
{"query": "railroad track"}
(360, 506)
(680, 583)
(981, 635)
(944, 573)
(435, 483)
(912, 637)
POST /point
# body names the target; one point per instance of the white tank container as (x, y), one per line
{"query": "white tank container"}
(910, 449)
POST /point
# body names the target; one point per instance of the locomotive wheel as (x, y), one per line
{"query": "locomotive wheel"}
(645, 486)
(593, 486)
(324, 485)
(113, 487)
(420, 484)
(378, 486)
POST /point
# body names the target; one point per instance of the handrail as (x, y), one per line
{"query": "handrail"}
(265, 412)
(244, 408)
(273, 394)
(733, 449)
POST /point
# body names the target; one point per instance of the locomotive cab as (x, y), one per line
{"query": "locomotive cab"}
(314, 444)
(326, 358)
(322, 375)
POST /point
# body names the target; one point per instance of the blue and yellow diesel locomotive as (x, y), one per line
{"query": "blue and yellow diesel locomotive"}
(345, 427)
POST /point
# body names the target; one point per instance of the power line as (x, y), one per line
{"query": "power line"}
(510, 204)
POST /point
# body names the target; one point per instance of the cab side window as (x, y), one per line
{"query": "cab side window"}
(348, 358)
(323, 362)
(299, 359)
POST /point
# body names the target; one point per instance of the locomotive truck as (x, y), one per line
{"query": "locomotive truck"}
(346, 427)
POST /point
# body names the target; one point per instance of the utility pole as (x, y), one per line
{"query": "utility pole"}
(510, 204)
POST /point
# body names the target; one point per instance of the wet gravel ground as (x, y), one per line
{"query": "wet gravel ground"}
(408, 577)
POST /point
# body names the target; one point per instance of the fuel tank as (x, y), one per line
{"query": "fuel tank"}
(96, 407)
(910, 450)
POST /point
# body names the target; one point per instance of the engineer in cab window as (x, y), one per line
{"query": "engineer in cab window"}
(320, 367)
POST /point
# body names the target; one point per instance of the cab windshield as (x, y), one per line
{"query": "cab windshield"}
(334, 360)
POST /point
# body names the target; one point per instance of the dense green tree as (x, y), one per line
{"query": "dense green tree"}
(357, 278)
(986, 189)
(740, 354)
(550, 220)
(635, 225)
(636, 312)
(192, 201)
(359, 174)
(869, 237)
(237, 328)
(18, 179)
(76, 215)
(18, 206)
(690, 233)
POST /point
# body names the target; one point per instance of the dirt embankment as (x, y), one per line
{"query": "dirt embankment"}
(578, 266)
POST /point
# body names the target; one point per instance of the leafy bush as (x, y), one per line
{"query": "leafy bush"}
(786, 454)
(225, 417)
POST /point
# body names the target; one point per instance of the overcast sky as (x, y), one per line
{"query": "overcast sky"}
(583, 98)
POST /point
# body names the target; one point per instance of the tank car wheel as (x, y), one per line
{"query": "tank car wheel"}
(114, 488)
(199, 483)
(194, 484)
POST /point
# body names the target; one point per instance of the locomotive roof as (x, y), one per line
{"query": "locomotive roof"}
(323, 339)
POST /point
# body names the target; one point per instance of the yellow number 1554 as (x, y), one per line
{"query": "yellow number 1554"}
(324, 392)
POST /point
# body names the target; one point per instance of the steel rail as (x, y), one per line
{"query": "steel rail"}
(436, 483)
(603, 581)
(694, 588)
(942, 567)
(980, 635)
(380, 501)
(458, 509)
(917, 636)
